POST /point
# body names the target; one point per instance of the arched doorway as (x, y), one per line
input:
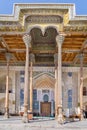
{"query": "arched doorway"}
(44, 47)
(44, 84)
(45, 106)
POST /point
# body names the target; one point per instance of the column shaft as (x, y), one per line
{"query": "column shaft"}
(59, 77)
(26, 82)
(81, 86)
(56, 94)
(60, 40)
(7, 93)
(27, 40)
(31, 89)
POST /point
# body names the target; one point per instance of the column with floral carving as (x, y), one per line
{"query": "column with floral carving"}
(32, 61)
(27, 41)
(56, 86)
(59, 40)
(8, 57)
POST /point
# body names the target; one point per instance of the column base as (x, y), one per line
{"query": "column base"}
(60, 119)
(25, 118)
(81, 117)
(56, 113)
(6, 115)
(30, 114)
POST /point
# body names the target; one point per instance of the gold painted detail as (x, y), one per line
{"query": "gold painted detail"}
(11, 23)
(75, 28)
(41, 12)
(12, 28)
(66, 18)
(44, 19)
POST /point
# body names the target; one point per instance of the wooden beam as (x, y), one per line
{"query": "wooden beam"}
(84, 45)
(70, 50)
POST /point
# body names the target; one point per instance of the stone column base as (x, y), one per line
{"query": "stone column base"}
(60, 119)
(6, 116)
(81, 117)
(25, 118)
(56, 116)
(60, 115)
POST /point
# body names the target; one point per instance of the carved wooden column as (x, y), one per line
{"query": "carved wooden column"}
(81, 85)
(59, 40)
(8, 57)
(56, 86)
(27, 40)
(32, 60)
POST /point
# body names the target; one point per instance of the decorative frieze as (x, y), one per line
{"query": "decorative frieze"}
(12, 28)
(9, 23)
(44, 19)
(75, 28)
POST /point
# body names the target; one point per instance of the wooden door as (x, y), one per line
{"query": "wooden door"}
(45, 108)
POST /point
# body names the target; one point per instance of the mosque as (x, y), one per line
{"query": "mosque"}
(43, 60)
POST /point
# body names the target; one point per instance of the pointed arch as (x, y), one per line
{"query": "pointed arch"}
(43, 28)
(44, 80)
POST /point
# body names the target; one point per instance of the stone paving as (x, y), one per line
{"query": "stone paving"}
(15, 123)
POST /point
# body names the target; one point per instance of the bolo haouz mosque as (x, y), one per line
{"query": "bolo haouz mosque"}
(43, 61)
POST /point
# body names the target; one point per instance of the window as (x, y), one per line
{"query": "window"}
(70, 74)
(22, 72)
(46, 98)
(84, 91)
(36, 105)
(22, 76)
(35, 95)
(70, 98)
(22, 79)
(21, 97)
(53, 105)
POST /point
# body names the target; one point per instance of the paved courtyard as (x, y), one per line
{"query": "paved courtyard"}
(15, 123)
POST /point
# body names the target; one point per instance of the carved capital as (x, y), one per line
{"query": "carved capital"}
(80, 56)
(8, 56)
(32, 58)
(60, 39)
(27, 40)
(55, 58)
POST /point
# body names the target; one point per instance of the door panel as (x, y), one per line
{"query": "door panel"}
(45, 108)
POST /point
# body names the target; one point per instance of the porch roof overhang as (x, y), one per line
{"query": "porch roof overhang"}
(73, 45)
(12, 29)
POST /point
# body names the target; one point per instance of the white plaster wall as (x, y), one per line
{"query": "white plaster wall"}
(11, 95)
(75, 89)
(70, 83)
(17, 94)
(85, 85)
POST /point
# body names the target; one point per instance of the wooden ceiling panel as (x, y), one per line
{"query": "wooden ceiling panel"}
(20, 56)
(74, 42)
(1, 46)
(2, 57)
(68, 57)
(14, 41)
(15, 44)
